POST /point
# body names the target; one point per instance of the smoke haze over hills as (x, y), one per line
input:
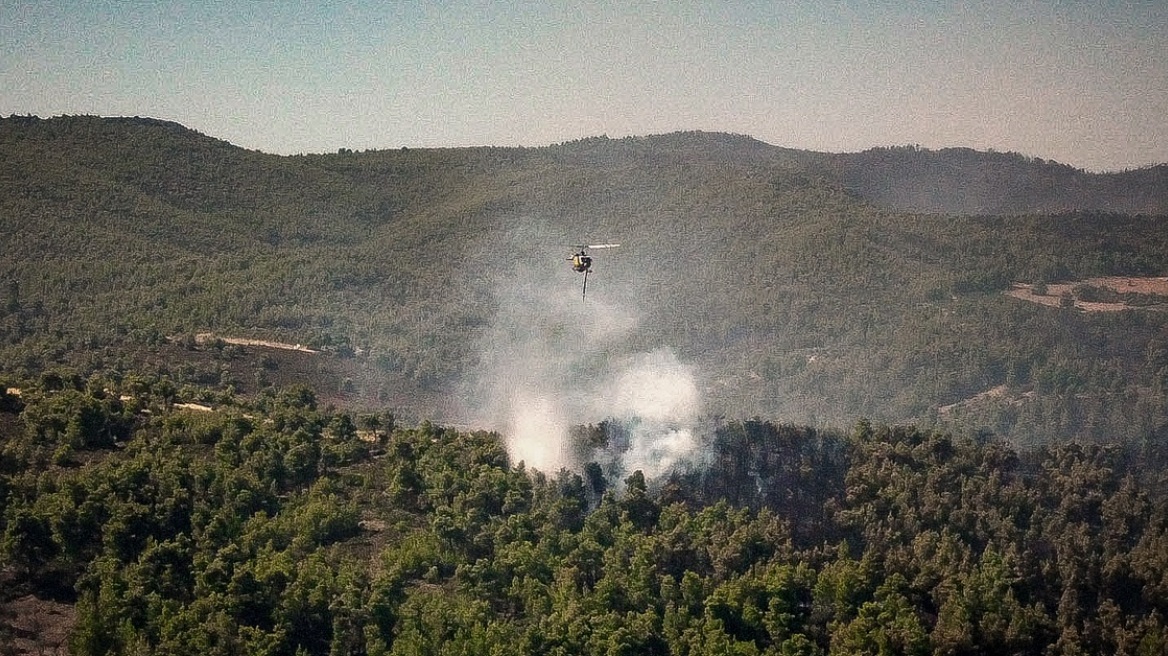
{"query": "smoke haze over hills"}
(551, 360)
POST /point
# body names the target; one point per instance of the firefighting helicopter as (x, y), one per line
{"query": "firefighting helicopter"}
(582, 262)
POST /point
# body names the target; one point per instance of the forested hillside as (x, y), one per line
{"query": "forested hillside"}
(789, 292)
(965, 181)
(277, 526)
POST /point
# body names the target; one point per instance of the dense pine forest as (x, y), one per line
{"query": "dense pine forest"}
(251, 403)
(277, 526)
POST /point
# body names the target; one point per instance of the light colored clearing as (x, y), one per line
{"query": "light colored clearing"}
(992, 393)
(1121, 284)
(999, 392)
(203, 338)
(194, 406)
(12, 391)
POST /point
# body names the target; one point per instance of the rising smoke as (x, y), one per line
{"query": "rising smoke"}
(550, 361)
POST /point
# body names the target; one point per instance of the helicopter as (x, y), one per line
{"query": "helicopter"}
(582, 262)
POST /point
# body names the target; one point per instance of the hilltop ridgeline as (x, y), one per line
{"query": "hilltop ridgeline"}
(903, 178)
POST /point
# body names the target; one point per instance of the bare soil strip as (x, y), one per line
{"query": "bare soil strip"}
(1057, 292)
(203, 338)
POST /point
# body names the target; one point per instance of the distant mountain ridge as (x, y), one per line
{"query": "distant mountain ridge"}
(913, 179)
(966, 181)
(960, 181)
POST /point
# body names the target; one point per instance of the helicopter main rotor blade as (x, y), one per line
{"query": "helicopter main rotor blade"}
(602, 246)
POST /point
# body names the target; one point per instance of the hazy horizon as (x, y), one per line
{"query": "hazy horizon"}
(1082, 83)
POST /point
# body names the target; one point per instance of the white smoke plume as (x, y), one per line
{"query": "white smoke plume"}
(550, 360)
(656, 400)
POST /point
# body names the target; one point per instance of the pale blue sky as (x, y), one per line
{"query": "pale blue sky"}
(1084, 83)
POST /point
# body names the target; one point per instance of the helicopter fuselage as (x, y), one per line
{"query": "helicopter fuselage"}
(581, 262)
